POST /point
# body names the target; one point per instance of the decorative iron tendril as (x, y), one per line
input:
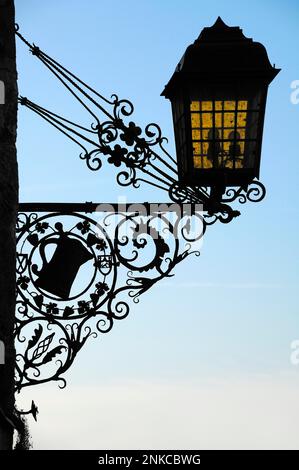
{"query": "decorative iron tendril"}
(141, 154)
(77, 275)
(255, 192)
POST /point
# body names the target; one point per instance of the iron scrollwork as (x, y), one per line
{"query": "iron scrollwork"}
(140, 155)
(255, 192)
(76, 276)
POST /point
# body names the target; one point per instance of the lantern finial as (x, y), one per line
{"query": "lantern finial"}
(219, 23)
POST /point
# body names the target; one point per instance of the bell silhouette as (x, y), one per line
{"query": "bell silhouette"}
(57, 275)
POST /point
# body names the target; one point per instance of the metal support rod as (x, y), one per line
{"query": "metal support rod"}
(90, 207)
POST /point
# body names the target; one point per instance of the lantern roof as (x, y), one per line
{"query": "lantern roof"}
(222, 52)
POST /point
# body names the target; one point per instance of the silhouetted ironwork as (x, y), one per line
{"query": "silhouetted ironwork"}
(77, 274)
(141, 155)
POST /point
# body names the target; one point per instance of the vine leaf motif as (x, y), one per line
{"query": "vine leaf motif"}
(43, 347)
(50, 355)
(84, 227)
(41, 227)
(23, 282)
(52, 308)
(101, 245)
(39, 300)
(83, 307)
(33, 239)
(102, 287)
(68, 311)
(36, 335)
(91, 239)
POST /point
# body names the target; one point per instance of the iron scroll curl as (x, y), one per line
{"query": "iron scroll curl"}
(115, 259)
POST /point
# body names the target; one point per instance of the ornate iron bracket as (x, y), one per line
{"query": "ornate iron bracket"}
(78, 274)
(141, 155)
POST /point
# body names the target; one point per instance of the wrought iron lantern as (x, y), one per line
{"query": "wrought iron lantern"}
(218, 95)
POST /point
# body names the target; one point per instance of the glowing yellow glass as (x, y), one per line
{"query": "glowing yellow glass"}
(218, 133)
(207, 119)
(206, 105)
(218, 120)
(196, 148)
(197, 162)
(195, 106)
(195, 122)
(242, 105)
(196, 134)
(241, 121)
(229, 119)
(229, 105)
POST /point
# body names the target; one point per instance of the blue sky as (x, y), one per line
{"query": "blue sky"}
(220, 330)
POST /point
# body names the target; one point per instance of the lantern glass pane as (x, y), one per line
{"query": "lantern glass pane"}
(224, 133)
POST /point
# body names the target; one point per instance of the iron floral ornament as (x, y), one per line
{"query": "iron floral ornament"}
(140, 155)
(76, 276)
